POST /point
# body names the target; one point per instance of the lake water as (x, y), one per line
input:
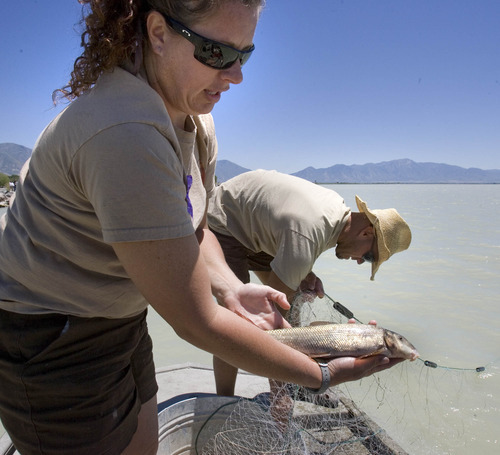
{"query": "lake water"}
(443, 295)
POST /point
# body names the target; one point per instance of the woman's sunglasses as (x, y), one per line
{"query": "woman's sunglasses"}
(209, 52)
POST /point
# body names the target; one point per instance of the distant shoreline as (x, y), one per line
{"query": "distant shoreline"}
(406, 183)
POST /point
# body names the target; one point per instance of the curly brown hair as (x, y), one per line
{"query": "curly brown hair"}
(114, 33)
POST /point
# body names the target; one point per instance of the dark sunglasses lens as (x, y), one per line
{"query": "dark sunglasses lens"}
(219, 56)
(244, 57)
(211, 54)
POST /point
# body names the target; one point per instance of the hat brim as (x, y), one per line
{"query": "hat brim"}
(383, 252)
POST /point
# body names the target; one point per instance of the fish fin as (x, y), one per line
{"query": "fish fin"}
(314, 323)
(377, 352)
(326, 355)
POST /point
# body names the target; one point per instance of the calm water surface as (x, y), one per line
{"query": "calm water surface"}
(443, 295)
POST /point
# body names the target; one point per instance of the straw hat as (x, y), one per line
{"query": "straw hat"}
(391, 231)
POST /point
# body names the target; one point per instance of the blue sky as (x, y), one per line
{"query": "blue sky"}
(331, 81)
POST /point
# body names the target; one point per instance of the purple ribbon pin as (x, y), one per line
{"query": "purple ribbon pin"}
(188, 183)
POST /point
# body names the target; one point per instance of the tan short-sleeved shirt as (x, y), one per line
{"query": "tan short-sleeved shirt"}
(110, 168)
(287, 217)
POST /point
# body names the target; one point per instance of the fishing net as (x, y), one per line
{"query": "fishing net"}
(397, 408)
(293, 422)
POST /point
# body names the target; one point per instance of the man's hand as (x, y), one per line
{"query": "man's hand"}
(257, 304)
(312, 284)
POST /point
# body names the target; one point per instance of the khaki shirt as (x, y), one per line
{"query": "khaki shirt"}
(110, 168)
(287, 217)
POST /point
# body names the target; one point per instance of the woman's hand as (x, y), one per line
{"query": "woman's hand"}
(257, 304)
(345, 369)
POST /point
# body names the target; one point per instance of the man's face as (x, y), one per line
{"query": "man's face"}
(361, 249)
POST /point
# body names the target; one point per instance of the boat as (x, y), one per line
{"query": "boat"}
(190, 414)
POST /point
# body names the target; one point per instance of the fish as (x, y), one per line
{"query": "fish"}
(326, 340)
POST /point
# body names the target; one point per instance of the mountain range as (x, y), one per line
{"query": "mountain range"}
(399, 171)
(395, 171)
(13, 156)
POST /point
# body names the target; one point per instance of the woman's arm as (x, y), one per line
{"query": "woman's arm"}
(250, 301)
(173, 277)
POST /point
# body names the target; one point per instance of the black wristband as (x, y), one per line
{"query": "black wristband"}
(325, 378)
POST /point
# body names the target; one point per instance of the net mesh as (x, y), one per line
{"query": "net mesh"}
(400, 404)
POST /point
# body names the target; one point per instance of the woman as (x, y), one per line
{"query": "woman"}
(109, 217)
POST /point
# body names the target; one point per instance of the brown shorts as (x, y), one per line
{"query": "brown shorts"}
(73, 385)
(241, 259)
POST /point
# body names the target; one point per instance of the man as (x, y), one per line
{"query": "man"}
(277, 225)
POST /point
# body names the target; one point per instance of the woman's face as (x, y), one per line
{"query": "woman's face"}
(187, 86)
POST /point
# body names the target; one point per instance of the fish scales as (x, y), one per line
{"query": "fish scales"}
(333, 340)
(339, 340)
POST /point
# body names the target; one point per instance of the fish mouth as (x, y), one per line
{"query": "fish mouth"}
(414, 355)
